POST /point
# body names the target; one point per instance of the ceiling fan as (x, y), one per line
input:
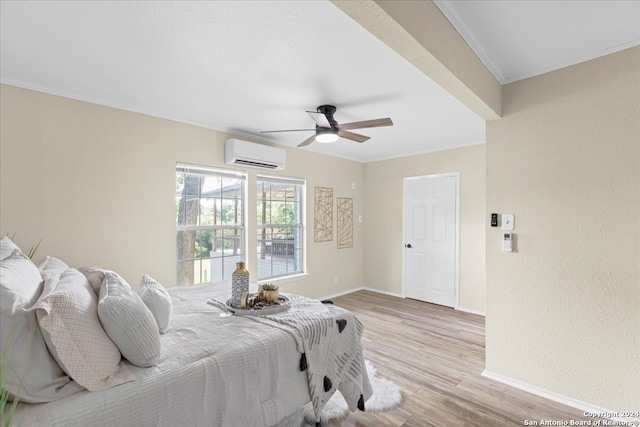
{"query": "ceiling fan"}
(328, 130)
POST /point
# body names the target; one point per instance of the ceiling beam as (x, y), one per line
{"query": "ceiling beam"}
(420, 33)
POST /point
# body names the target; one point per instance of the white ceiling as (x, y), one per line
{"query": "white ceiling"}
(245, 67)
(518, 39)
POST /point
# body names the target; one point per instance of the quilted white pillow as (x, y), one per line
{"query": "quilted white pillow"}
(68, 317)
(156, 297)
(30, 371)
(128, 322)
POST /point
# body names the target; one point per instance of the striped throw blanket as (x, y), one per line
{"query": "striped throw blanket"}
(328, 338)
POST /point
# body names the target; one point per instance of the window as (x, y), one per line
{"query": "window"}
(210, 223)
(280, 226)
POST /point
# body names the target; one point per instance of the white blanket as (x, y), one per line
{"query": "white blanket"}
(213, 371)
(328, 337)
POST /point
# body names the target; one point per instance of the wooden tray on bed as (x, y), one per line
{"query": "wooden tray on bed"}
(271, 308)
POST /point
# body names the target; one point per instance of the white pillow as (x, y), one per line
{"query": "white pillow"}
(50, 266)
(7, 247)
(95, 275)
(128, 322)
(68, 317)
(156, 297)
(31, 372)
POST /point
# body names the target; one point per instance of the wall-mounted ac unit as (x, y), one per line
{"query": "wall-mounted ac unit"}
(243, 153)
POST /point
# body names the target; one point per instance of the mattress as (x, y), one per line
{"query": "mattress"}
(213, 371)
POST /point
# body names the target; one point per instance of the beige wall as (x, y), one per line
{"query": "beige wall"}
(383, 220)
(97, 185)
(562, 310)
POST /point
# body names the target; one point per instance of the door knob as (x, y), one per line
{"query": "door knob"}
(408, 245)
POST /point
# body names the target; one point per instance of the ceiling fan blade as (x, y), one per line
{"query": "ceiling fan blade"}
(288, 130)
(320, 119)
(307, 141)
(366, 124)
(352, 136)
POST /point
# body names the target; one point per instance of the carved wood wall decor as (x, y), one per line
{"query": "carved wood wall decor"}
(345, 222)
(323, 214)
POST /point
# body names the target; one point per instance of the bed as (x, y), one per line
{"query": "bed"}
(222, 371)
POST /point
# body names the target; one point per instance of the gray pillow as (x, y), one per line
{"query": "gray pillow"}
(32, 374)
(128, 321)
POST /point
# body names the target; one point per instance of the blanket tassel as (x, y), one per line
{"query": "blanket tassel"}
(327, 384)
(303, 362)
(361, 403)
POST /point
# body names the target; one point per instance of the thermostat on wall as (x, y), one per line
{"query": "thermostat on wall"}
(508, 221)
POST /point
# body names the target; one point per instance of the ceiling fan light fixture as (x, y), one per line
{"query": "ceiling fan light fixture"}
(328, 130)
(326, 136)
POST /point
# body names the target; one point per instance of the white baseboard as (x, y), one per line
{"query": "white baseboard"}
(339, 294)
(361, 288)
(394, 294)
(472, 311)
(380, 291)
(588, 409)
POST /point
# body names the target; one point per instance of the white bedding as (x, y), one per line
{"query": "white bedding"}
(329, 337)
(213, 371)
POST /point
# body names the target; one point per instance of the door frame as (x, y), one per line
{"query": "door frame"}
(456, 272)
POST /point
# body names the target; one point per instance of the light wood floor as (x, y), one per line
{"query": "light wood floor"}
(436, 355)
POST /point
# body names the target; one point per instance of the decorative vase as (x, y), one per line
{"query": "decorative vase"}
(239, 284)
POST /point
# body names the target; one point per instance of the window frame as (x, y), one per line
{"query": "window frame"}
(241, 226)
(299, 245)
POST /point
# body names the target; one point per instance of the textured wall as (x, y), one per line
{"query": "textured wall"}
(97, 184)
(562, 310)
(383, 220)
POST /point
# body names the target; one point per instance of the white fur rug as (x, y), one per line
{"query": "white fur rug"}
(386, 396)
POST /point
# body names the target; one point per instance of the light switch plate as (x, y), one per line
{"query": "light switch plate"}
(508, 221)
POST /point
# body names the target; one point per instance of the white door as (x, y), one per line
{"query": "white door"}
(430, 238)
